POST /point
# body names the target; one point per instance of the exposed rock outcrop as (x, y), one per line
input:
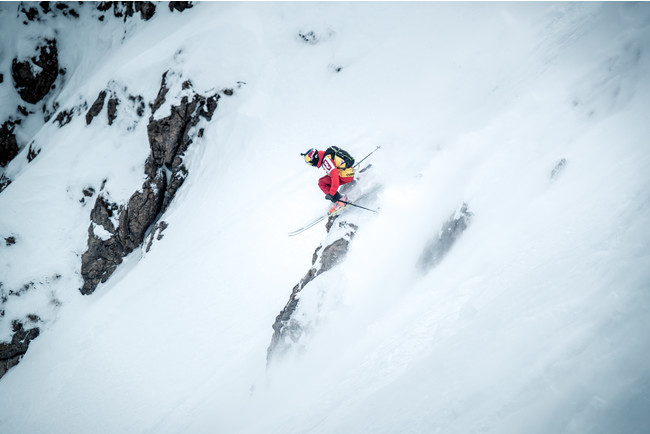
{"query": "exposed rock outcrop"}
(126, 9)
(32, 153)
(64, 117)
(169, 137)
(141, 211)
(112, 109)
(96, 108)
(12, 352)
(116, 230)
(34, 77)
(146, 9)
(179, 6)
(119, 101)
(286, 329)
(45, 6)
(8, 144)
(104, 254)
(31, 14)
(156, 233)
(4, 182)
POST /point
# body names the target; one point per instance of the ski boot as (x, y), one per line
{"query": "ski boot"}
(338, 204)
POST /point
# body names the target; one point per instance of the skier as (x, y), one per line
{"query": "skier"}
(338, 165)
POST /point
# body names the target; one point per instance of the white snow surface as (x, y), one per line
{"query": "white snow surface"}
(537, 319)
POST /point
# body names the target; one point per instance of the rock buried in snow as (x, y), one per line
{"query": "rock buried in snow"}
(442, 242)
(559, 167)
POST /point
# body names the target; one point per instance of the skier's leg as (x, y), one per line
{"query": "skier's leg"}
(346, 180)
(325, 183)
(346, 184)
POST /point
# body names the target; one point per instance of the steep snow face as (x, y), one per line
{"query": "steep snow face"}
(63, 163)
(534, 115)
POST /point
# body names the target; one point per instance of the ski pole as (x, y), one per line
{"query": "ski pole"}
(358, 206)
(366, 157)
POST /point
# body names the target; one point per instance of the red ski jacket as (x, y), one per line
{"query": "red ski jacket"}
(337, 176)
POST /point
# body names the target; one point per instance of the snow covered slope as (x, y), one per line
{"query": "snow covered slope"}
(537, 116)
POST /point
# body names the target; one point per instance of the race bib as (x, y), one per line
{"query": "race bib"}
(327, 165)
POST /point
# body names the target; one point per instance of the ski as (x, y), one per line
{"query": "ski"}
(338, 211)
(315, 222)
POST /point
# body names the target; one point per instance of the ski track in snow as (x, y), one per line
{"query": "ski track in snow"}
(534, 114)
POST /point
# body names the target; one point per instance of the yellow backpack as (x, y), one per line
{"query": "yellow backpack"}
(343, 161)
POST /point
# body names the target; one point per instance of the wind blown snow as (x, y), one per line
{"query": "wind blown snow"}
(536, 115)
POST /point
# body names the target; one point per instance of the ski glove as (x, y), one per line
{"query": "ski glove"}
(334, 198)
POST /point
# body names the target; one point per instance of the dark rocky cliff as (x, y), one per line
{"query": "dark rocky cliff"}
(169, 138)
